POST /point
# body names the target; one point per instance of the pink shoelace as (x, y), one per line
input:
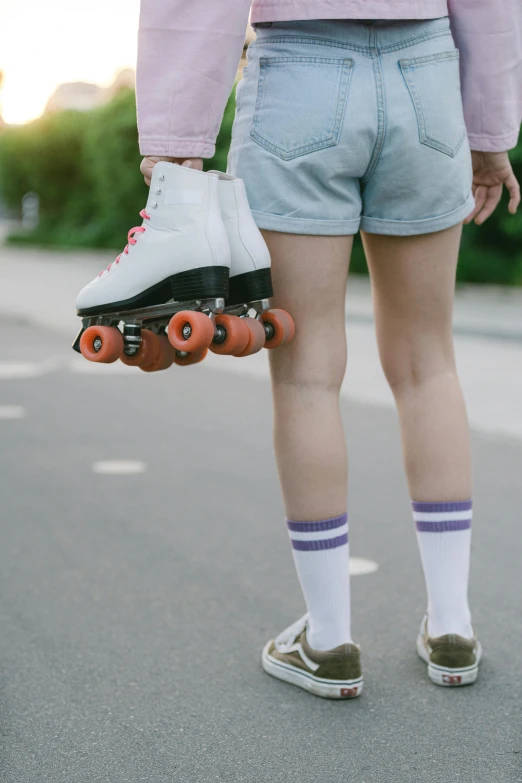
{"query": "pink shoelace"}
(132, 240)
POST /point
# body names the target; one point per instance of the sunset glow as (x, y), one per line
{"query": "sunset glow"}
(45, 44)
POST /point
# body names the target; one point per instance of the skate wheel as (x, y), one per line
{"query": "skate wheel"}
(101, 344)
(256, 337)
(190, 331)
(147, 353)
(184, 359)
(232, 333)
(164, 358)
(279, 328)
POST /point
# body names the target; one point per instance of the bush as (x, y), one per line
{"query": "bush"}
(85, 168)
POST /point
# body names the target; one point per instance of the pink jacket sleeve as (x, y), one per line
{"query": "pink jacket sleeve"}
(488, 34)
(188, 54)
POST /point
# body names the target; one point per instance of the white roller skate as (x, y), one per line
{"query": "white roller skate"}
(163, 300)
(250, 279)
(170, 281)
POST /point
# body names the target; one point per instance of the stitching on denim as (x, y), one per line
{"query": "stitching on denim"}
(407, 71)
(348, 223)
(367, 50)
(268, 61)
(345, 74)
(429, 59)
(418, 221)
(381, 118)
(299, 39)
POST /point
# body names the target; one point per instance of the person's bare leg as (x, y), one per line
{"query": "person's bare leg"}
(309, 275)
(413, 280)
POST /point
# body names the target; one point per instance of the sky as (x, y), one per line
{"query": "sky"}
(46, 42)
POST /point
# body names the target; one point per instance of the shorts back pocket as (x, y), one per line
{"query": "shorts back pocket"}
(434, 85)
(300, 103)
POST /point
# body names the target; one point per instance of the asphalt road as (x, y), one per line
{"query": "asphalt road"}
(133, 608)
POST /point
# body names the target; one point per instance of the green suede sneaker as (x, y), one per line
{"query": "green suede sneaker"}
(452, 660)
(333, 674)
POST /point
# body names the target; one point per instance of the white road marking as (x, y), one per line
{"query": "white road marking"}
(119, 467)
(360, 566)
(12, 412)
(15, 370)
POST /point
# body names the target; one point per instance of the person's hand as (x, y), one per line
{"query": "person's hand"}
(492, 170)
(148, 163)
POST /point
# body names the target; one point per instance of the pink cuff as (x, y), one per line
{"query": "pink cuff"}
(178, 148)
(484, 143)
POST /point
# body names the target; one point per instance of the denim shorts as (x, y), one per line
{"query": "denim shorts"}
(342, 125)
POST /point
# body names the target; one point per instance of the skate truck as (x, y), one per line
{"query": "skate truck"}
(198, 278)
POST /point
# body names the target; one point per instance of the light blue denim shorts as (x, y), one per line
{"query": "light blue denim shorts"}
(342, 125)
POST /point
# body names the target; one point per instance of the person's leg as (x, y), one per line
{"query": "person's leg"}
(413, 280)
(309, 276)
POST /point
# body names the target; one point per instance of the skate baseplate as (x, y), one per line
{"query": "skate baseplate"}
(157, 336)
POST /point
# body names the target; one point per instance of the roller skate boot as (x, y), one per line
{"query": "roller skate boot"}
(250, 278)
(158, 302)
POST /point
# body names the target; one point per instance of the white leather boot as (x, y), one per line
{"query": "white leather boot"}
(179, 252)
(250, 279)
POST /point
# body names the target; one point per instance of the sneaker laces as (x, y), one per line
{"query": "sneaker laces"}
(131, 241)
(287, 637)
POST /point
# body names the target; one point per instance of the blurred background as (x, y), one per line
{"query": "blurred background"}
(67, 117)
(144, 561)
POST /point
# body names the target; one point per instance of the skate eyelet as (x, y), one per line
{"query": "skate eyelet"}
(162, 177)
(158, 191)
(154, 204)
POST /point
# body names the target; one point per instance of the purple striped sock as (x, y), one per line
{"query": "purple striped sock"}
(320, 552)
(444, 538)
(323, 534)
(442, 517)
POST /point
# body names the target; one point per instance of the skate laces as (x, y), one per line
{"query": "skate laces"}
(131, 241)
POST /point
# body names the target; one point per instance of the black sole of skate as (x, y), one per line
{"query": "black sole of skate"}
(250, 287)
(207, 282)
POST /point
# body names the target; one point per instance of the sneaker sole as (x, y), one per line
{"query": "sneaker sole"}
(327, 689)
(445, 676)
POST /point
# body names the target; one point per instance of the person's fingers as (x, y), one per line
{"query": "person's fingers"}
(514, 193)
(480, 194)
(491, 203)
(194, 163)
(146, 167)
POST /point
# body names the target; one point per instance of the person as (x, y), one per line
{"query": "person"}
(354, 115)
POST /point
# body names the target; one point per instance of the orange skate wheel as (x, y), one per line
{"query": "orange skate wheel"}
(236, 335)
(101, 344)
(189, 358)
(147, 353)
(165, 356)
(256, 338)
(190, 331)
(281, 328)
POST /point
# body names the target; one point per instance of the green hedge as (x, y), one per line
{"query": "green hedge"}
(85, 168)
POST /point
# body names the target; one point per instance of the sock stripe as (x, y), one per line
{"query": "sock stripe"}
(316, 527)
(442, 517)
(443, 525)
(316, 545)
(443, 508)
(338, 531)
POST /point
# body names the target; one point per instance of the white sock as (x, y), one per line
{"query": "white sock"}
(320, 552)
(444, 536)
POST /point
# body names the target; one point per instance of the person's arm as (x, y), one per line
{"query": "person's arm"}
(188, 53)
(488, 34)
